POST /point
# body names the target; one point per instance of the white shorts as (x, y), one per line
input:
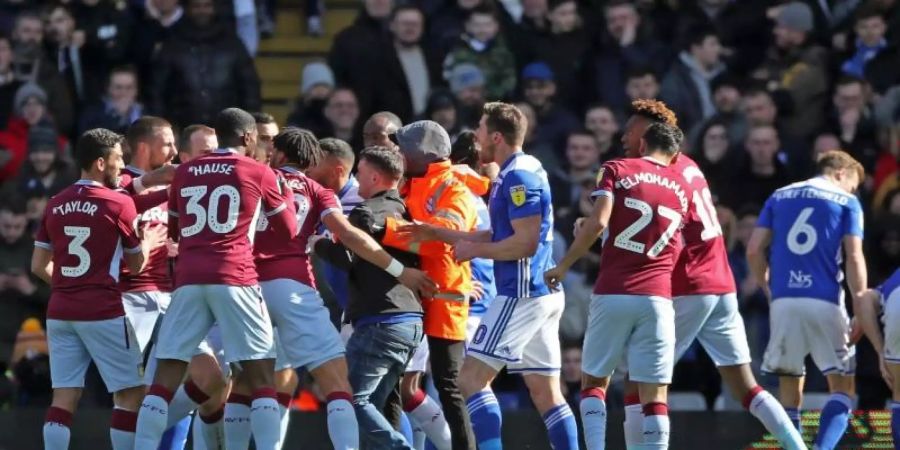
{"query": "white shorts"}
(892, 330)
(419, 360)
(716, 322)
(808, 326)
(144, 309)
(110, 343)
(521, 333)
(303, 323)
(637, 327)
(239, 311)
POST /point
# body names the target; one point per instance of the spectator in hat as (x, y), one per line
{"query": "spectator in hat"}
(442, 109)
(795, 69)
(554, 122)
(467, 83)
(119, 107)
(410, 69)
(482, 45)
(45, 172)
(686, 87)
(30, 104)
(316, 85)
(726, 96)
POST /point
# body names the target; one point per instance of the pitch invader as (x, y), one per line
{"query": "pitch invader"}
(705, 298)
(642, 203)
(803, 227)
(286, 278)
(85, 231)
(213, 213)
(885, 298)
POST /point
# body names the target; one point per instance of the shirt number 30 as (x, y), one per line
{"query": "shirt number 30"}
(209, 215)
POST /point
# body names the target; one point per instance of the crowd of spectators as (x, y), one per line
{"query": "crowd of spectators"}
(760, 87)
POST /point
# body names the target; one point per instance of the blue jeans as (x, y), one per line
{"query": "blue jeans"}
(377, 356)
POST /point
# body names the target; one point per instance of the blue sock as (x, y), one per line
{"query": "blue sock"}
(895, 421)
(833, 422)
(561, 428)
(406, 428)
(794, 415)
(487, 420)
(176, 437)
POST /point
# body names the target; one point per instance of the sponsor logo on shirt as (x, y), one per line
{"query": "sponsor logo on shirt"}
(800, 280)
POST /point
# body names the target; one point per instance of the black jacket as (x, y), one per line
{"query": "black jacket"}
(201, 71)
(354, 62)
(393, 93)
(372, 290)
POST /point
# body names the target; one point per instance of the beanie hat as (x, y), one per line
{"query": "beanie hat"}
(314, 74)
(26, 92)
(796, 16)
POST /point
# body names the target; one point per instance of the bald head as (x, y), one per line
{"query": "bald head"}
(377, 129)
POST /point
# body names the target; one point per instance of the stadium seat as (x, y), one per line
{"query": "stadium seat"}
(686, 401)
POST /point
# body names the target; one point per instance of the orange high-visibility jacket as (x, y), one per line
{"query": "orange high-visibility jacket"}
(440, 198)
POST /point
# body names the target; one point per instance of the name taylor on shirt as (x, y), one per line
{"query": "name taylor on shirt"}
(208, 168)
(633, 180)
(76, 206)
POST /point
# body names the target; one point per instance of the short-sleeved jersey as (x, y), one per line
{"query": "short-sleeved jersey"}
(156, 276)
(702, 266)
(217, 200)
(650, 201)
(276, 258)
(522, 190)
(482, 268)
(809, 220)
(87, 226)
(890, 289)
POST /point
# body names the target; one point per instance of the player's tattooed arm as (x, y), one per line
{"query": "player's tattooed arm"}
(42, 264)
(757, 257)
(591, 228)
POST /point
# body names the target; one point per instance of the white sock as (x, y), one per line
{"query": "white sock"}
(152, 418)
(342, 426)
(593, 418)
(121, 431)
(237, 421)
(285, 421)
(265, 420)
(430, 418)
(769, 411)
(182, 404)
(419, 438)
(208, 431)
(634, 426)
(56, 429)
(656, 432)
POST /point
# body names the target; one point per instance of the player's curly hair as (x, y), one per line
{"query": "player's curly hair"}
(654, 110)
(299, 146)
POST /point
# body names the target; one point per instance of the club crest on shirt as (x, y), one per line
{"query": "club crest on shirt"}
(517, 194)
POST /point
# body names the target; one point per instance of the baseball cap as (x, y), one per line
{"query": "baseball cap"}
(537, 71)
(464, 76)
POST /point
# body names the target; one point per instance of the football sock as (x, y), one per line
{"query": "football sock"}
(209, 433)
(561, 427)
(284, 408)
(265, 420)
(593, 418)
(237, 421)
(152, 418)
(634, 421)
(487, 420)
(769, 412)
(426, 414)
(794, 415)
(56, 429)
(342, 425)
(833, 421)
(656, 426)
(895, 421)
(121, 429)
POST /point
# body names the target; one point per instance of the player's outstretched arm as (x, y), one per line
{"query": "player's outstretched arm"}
(591, 229)
(522, 244)
(42, 264)
(757, 259)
